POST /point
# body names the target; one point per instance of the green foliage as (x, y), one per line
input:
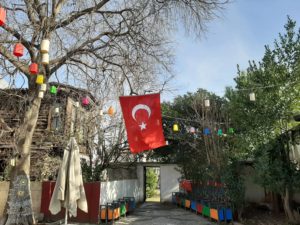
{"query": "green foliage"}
(235, 186)
(91, 173)
(151, 182)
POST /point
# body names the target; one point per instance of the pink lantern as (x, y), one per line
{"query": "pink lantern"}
(18, 50)
(85, 101)
(2, 16)
(33, 68)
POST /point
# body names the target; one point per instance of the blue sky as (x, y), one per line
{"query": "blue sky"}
(237, 36)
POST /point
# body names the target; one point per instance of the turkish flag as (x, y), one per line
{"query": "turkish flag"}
(142, 117)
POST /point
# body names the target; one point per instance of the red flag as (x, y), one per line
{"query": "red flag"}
(142, 117)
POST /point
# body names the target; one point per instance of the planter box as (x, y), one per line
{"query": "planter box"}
(92, 191)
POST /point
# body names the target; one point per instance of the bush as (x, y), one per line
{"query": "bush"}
(151, 182)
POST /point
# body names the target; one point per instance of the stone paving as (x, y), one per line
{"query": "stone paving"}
(162, 214)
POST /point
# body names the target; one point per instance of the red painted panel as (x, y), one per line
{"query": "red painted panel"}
(92, 191)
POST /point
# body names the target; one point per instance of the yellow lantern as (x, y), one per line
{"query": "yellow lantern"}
(175, 127)
(40, 79)
(111, 111)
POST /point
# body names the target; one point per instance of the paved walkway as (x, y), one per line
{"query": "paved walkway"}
(162, 214)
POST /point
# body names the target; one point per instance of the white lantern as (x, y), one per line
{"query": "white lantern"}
(56, 110)
(167, 142)
(45, 59)
(192, 130)
(77, 104)
(43, 87)
(41, 94)
(101, 112)
(252, 96)
(45, 46)
(206, 103)
(13, 162)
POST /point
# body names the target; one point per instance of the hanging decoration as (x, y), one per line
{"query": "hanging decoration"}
(45, 46)
(76, 104)
(34, 68)
(18, 50)
(206, 131)
(45, 58)
(2, 16)
(192, 130)
(167, 142)
(85, 101)
(220, 132)
(41, 94)
(43, 87)
(252, 96)
(53, 90)
(175, 127)
(206, 103)
(56, 110)
(111, 111)
(231, 130)
(39, 79)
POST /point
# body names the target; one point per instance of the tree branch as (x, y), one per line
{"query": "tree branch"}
(76, 15)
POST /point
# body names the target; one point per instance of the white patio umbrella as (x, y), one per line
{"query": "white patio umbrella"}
(69, 191)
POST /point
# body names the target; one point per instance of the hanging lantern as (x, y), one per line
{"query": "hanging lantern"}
(2, 16)
(167, 142)
(85, 101)
(41, 94)
(12, 162)
(192, 130)
(56, 110)
(18, 50)
(34, 68)
(252, 96)
(231, 130)
(39, 79)
(45, 59)
(175, 127)
(111, 111)
(43, 87)
(206, 131)
(53, 90)
(220, 132)
(101, 112)
(77, 104)
(45, 46)
(206, 103)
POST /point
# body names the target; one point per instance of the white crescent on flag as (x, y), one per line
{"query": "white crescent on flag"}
(140, 107)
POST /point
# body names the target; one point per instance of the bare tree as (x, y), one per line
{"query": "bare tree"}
(92, 41)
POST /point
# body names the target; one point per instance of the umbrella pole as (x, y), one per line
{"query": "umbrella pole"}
(66, 216)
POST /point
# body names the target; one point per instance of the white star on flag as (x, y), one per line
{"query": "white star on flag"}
(143, 126)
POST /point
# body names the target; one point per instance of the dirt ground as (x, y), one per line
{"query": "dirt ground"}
(263, 216)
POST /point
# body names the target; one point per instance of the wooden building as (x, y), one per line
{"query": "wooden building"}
(61, 115)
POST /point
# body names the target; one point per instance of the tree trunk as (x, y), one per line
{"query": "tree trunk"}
(19, 204)
(292, 215)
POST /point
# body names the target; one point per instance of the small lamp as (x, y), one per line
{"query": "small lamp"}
(111, 111)
(220, 132)
(252, 97)
(206, 103)
(175, 127)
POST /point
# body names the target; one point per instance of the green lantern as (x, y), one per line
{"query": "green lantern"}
(53, 90)
(220, 132)
(231, 130)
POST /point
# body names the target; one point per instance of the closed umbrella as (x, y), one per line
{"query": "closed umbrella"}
(69, 191)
